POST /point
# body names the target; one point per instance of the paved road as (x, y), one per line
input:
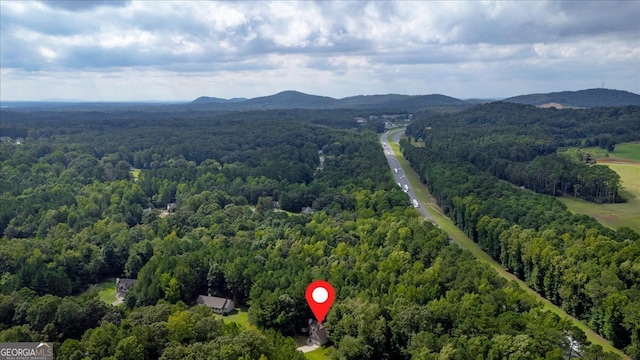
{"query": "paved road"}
(394, 136)
(399, 176)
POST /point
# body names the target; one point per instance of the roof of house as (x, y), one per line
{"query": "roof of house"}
(212, 301)
(322, 334)
(317, 332)
(123, 282)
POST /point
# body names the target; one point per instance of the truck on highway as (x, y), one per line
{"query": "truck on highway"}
(415, 203)
(395, 170)
(406, 188)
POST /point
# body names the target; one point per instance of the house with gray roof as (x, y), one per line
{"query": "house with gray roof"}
(317, 334)
(219, 305)
(123, 286)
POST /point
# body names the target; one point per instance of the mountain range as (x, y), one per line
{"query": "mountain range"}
(435, 103)
(298, 100)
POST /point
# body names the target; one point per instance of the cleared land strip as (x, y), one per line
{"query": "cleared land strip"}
(466, 243)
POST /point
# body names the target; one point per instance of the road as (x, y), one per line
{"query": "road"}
(398, 173)
(457, 236)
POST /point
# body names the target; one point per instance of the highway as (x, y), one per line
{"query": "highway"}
(399, 176)
(457, 236)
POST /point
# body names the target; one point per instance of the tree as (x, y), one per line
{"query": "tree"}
(129, 348)
(215, 280)
(101, 342)
(181, 326)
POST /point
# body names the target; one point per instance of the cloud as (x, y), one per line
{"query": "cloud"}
(81, 5)
(372, 42)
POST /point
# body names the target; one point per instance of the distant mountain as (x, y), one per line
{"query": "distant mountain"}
(369, 101)
(422, 101)
(298, 100)
(582, 98)
(215, 100)
(394, 101)
(288, 100)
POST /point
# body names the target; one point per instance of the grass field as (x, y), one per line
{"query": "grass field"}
(615, 215)
(319, 354)
(240, 317)
(466, 243)
(628, 151)
(625, 160)
(106, 290)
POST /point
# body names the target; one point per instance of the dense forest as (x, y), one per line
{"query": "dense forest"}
(519, 143)
(591, 271)
(76, 212)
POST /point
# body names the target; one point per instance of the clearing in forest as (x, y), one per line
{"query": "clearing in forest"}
(106, 290)
(625, 161)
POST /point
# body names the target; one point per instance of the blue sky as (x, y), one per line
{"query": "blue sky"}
(162, 50)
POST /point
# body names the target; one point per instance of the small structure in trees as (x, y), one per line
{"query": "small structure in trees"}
(123, 286)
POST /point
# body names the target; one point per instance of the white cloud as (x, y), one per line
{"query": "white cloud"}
(474, 48)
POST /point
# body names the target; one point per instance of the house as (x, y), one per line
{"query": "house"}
(317, 334)
(123, 286)
(171, 207)
(219, 305)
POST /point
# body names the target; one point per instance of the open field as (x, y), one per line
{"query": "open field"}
(467, 244)
(626, 151)
(320, 354)
(240, 317)
(615, 215)
(629, 151)
(106, 290)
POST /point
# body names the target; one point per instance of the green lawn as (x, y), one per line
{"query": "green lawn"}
(106, 290)
(466, 243)
(615, 215)
(240, 317)
(319, 354)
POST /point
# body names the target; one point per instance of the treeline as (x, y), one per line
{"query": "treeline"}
(519, 143)
(402, 289)
(572, 260)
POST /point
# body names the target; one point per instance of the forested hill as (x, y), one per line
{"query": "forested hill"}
(298, 100)
(580, 99)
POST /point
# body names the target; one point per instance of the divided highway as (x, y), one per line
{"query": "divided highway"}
(457, 236)
(398, 173)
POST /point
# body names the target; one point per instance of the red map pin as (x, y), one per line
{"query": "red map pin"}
(320, 296)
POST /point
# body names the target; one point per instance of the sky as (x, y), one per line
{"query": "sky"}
(178, 51)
